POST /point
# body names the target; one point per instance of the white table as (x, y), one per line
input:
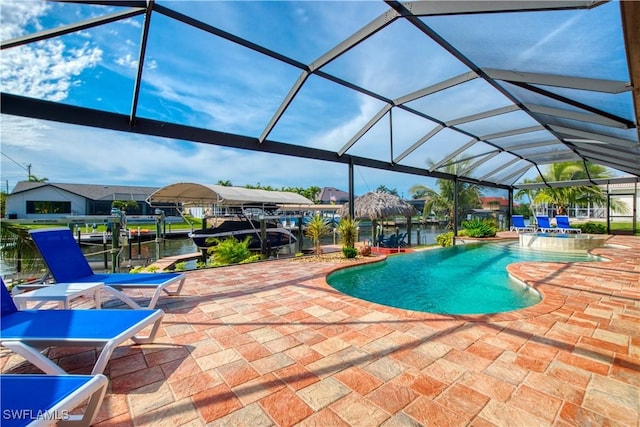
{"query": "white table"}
(63, 293)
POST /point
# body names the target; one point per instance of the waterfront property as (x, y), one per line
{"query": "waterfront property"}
(272, 344)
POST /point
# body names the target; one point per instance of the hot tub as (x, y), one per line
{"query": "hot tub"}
(561, 242)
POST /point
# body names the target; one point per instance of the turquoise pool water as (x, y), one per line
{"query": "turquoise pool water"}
(463, 279)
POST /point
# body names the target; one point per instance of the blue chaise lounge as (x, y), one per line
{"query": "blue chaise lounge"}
(544, 225)
(519, 225)
(67, 264)
(563, 225)
(42, 400)
(27, 332)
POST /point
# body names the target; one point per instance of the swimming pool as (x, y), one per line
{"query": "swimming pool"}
(462, 279)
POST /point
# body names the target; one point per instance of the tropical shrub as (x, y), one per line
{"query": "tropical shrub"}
(231, 251)
(445, 239)
(592, 228)
(348, 230)
(349, 252)
(480, 228)
(143, 269)
(316, 228)
(180, 266)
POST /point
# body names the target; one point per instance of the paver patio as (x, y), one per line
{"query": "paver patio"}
(272, 344)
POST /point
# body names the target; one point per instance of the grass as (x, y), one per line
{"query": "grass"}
(620, 226)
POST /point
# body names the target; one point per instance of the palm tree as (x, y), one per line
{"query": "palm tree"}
(17, 244)
(563, 197)
(316, 228)
(442, 200)
(529, 193)
(33, 178)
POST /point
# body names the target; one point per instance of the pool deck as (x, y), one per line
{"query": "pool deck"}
(272, 344)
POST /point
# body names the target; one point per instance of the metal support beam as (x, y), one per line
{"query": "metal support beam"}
(446, 84)
(572, 82)
(284, 105)
(625, 143)
(517, 174)
(512, 132)
(540, 91)
(352, 207)
(365, 129)
(499, 168)
(70, 114)
(356, 38)
(630, 13)
(483, 115)
(141, 56)
(575, 115)
(432, 8)
(455, 209)
(68, 29)
(418, 143)
(479, 163)
(453, 155)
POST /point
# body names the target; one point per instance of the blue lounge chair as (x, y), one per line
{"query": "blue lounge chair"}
(519, 225)
(544, 225)
(45, 399)
(563, 225)
(67, 264)
(27, 332)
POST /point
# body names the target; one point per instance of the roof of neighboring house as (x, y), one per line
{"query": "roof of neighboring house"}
(330, 194)
(91, 191)
(489, 200)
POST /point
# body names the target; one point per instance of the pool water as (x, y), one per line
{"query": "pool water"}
(463, 279)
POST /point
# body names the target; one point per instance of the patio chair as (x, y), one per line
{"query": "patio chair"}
(27, 332)
(390, 242)
(519, 225)
(563, 225)
(67, 264)
(544, 225)
(55, 398)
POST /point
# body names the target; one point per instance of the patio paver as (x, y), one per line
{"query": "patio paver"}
(272, 344)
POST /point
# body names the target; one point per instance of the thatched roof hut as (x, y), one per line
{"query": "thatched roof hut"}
(378, 205)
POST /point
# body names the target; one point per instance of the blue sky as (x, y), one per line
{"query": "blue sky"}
(195, 79)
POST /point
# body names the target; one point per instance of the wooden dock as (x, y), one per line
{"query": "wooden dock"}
(168, 262)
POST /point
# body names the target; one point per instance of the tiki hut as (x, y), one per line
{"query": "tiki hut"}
(379, 205)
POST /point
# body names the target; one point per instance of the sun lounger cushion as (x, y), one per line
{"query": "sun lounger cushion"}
(543, 224)
(26, 332)
(564, 225)
(67, 264)
(43, 399)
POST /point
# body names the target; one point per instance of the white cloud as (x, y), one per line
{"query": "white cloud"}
(127, 61)
(15, 16)
(87, 155)
(47, 69)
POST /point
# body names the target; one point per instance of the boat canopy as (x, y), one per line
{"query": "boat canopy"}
(189, 193)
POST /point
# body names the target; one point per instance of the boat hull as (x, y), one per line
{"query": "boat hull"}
(276, 238)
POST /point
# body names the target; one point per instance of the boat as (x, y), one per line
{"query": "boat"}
(277, 237)
(237, 212)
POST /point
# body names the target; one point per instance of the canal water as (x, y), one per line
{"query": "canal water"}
(143, 253)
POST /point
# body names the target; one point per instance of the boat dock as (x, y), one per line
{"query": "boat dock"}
(168, 262)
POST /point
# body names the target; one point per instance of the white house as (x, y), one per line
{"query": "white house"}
(33, 200)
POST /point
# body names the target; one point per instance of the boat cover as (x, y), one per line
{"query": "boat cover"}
(190, 193)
